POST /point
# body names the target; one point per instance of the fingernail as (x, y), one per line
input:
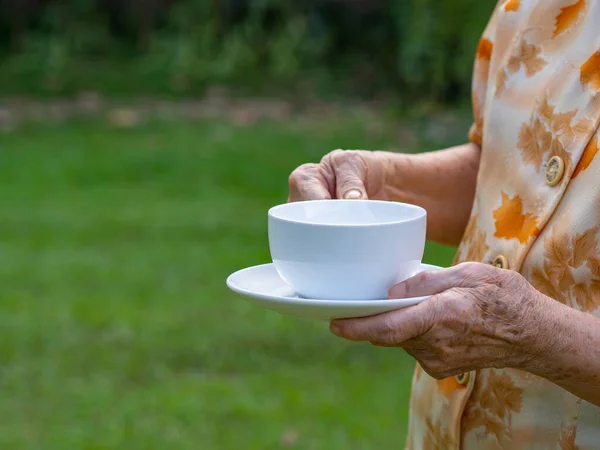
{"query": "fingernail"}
(334, 328)
(353, 194)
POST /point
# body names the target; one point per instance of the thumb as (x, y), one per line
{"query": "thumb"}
(350, 187)
(388, 329)
(350, 170)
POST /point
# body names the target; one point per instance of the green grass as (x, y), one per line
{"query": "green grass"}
(116, 328)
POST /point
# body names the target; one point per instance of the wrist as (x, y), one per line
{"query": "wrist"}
(544, 340)
(397, 176)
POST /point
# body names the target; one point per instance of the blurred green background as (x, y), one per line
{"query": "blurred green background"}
(357, 47)
(141, 144)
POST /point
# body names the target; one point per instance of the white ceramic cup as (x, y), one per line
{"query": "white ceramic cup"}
(346, 249)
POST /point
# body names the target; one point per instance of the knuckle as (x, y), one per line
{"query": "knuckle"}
(472, 273)
(355, 159)
(513, 282)
(293, 179)
(386, 333)
(488, 271)
(445, 374)
(462, 271)
(334, 157)
(516, 278)
(438, 305)
(416, 283)
(439, 368)
(296, 174)
(438, 372)
(423, 278)
(470, 268)
(340, 157)
(504, 278)
(431, 368)
(301, 173)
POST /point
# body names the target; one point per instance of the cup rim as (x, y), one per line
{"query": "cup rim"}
(422, 213)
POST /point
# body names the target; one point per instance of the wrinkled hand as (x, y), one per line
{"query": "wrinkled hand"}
(342, 174)
(479, 316)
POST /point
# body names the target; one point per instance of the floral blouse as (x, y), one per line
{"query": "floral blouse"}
(536, 99)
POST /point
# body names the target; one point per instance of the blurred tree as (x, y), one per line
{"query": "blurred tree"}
(421, 48)
(136, 18)
(15, 18)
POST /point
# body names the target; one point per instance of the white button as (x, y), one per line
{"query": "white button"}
(555, 170)
(501, 262)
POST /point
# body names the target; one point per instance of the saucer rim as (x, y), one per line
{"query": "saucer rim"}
(322, 302)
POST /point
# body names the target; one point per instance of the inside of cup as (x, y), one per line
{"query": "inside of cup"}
(347, 212)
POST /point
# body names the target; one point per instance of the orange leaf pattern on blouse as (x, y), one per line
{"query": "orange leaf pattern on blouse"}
(437, 438)
(448, 386)
(549, 133)
(534, 142)
(588, 156)
(569, 17)
(527, 56)
(567, 438)
(590, 72)
(484, 49)
(499, 399)
(566, 256)
(511, 223)
(512, 5)
(474, 242)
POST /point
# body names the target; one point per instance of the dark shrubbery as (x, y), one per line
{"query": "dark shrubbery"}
(416, 48)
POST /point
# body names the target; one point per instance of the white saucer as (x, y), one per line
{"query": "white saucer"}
(263, 286)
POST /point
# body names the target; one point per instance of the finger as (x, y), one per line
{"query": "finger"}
(308, 182)
(387, 329)
(427, 283)
(350, 170)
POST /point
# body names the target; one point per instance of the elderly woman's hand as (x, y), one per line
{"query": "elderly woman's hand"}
(478, 316)
(343, 174)
(442, 182)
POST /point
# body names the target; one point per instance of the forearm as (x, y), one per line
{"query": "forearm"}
(442, 182)
(567, 351)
